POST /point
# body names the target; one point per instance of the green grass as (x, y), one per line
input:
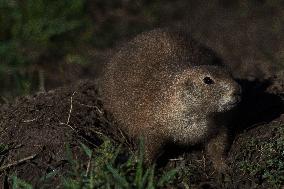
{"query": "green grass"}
(106, 171)
(32, 31)
(107, 167)
(37, 32)
(33, 28)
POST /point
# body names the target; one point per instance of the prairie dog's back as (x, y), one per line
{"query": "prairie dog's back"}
(137, 76)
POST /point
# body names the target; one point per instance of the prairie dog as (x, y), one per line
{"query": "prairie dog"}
(166, 87)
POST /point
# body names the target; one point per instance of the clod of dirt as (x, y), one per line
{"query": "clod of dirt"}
(257, 157)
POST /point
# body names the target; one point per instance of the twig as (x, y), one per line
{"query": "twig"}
(177, 159)
(125, 139)
(89, 165)
(67, 125)
(99, 133)
(30, 120)
(17, 162)
(71, 108)
(90, 106)
(69, 114)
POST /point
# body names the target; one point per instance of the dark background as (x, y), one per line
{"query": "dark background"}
(45, 44)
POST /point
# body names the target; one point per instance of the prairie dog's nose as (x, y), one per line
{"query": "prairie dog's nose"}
(232, 88)
(236, 89)
(236, 92)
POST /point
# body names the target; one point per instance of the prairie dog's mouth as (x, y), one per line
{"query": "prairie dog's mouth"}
(230, 104)
(234, 102)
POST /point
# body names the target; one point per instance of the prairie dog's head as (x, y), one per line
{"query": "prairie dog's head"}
(209, 89)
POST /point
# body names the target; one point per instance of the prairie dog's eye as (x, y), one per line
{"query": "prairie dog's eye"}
(208, 80)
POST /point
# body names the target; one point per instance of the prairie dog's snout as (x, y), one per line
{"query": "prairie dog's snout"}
(232, 96)
(236, 93)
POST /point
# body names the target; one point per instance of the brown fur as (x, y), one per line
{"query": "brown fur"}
(155, 87)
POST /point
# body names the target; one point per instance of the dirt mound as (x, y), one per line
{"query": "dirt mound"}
(35, 130)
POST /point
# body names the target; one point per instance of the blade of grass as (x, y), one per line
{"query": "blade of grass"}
(121, 180)
(167, 177)
(151, 178)
(139, 169)
(18, 183)
(87, 150)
